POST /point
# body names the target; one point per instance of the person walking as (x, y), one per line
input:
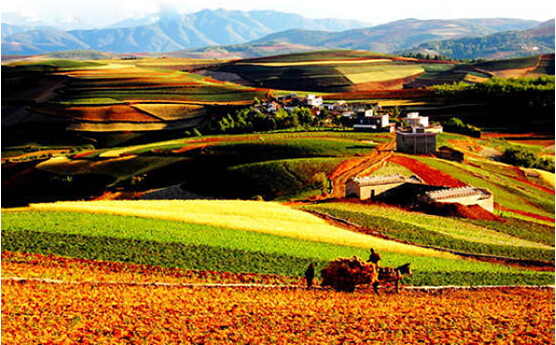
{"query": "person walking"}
(309, 275)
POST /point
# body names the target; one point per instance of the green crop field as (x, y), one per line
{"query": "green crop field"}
(285, 179)
(445, 232)
(194, 246)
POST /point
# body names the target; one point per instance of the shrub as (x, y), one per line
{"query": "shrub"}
(522, 157)
(544, 163)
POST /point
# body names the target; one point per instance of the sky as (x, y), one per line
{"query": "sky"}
(96, 13)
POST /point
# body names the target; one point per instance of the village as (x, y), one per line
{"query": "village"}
(415, 136)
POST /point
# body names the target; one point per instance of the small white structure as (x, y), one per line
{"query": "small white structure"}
(463, 195)
(414, 120)
(374, 123)
(313, 101)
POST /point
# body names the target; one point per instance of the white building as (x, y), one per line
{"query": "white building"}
(313, 101)
(463, 195)
(414, 120)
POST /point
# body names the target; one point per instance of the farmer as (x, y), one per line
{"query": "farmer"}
(374, 257)
(310, 274)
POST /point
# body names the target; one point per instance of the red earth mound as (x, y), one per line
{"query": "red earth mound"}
(429, 175)
(459, 210)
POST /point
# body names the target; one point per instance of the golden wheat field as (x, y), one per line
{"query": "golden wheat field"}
(265, 217)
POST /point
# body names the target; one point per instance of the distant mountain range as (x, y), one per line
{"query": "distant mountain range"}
(167, 32)
(507, 44)
(238, 34)
(478, 38)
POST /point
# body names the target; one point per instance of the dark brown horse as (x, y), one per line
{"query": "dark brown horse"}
(390, 274)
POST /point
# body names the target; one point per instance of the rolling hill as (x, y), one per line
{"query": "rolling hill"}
(507, 44)
(387, 38)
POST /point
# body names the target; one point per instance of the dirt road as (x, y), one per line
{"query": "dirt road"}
(353, 167)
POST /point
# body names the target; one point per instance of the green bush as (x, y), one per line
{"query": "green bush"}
(522, 157)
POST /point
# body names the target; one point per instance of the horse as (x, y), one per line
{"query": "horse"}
(389, 274)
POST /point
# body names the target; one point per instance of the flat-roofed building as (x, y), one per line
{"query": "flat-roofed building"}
(415, 141)
(369, 187)
(463, 195)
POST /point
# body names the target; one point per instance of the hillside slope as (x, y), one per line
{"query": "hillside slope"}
(507, 44)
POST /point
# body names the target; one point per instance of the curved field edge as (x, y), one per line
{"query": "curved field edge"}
(152, 242)
(450, 233)
(262, 217)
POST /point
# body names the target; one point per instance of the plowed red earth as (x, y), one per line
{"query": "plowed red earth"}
(469, 212)
(60, 267)
(429, 175)
(523, 213)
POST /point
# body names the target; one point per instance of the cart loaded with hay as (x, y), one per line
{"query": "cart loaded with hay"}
(343, 274)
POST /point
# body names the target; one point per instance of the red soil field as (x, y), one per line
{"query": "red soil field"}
(459, 210)
(523, 213)
(24, 264)
(428, 174)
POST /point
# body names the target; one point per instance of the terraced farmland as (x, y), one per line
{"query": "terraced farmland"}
(451, 233)
(280, 241)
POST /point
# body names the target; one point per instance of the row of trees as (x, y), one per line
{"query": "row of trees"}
(525, 102)
(249, 120)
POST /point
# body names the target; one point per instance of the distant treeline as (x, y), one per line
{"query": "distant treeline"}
(522, 100)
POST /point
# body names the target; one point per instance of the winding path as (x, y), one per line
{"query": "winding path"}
(353, 167)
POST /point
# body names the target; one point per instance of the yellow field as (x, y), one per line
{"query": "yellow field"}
(170, 112)
(307, 63)
(379, 72)
(115, 127)
(265, 217)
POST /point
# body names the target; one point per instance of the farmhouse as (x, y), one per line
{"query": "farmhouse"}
(367, 121)
(414, 120)
(415, 141)
(313, 101)
(463, 195)
(370, 187)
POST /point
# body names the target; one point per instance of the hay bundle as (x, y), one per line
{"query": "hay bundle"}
(343, 274)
